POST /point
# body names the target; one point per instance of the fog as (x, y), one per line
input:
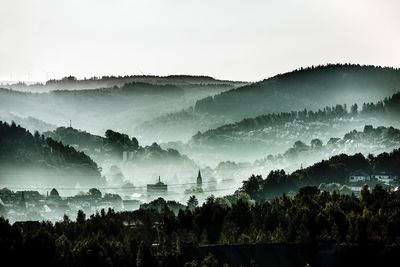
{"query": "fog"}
(121, 142)
(123, 105)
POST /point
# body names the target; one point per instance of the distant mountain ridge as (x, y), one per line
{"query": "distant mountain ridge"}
(120, 107)
(72, 83)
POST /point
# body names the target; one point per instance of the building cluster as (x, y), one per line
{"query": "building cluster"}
(161, 188)
(31, 205)
(381, 177)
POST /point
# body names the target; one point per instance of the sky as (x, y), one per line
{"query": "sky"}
(227, 39)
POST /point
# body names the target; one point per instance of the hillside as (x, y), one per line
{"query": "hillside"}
(181, 125)
(120, 107)
(310, 88)
(303, 154)
(276, 132)
(120, 154)
(33, 160)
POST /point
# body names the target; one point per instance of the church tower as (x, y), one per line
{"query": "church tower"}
(199, 180)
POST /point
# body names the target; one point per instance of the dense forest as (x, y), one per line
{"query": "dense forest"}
(151, 237)
(24, 156)
(312, 87)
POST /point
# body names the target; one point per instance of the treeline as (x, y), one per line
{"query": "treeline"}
(384, 136)
(151, 237)
(72, 82)
(389, 107)
(19, 149)
(335, 170)
(69, 79)
(131, 88)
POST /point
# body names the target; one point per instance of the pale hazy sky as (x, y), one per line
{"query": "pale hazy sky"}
(229, 39)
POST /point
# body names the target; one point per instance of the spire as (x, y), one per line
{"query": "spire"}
(199, 181)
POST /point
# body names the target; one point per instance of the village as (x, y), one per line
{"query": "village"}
(25, 205)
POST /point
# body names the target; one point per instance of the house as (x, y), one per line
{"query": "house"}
(359, 177)
(383, 177)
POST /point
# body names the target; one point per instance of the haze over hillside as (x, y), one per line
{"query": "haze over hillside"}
(122, 106)
(310, 88)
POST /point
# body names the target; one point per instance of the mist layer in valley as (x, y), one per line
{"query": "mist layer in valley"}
(122, 134)
(120, 103)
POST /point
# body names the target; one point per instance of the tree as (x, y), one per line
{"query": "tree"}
(36, 135)
(192, 202)
(54, 194)
(316, 143)
(95, 192)
(80, 217)
(365, 195)
(252, 186)
(299, 145)
(354, 109)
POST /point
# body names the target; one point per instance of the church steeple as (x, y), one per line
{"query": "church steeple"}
(199, 180)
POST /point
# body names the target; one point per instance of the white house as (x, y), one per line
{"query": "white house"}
(383, 177)
(358, 177)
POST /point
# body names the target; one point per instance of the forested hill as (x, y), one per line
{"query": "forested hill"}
(113, 144)
(388, 108)
(335, 170)
(310, 88)
(30, 160)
